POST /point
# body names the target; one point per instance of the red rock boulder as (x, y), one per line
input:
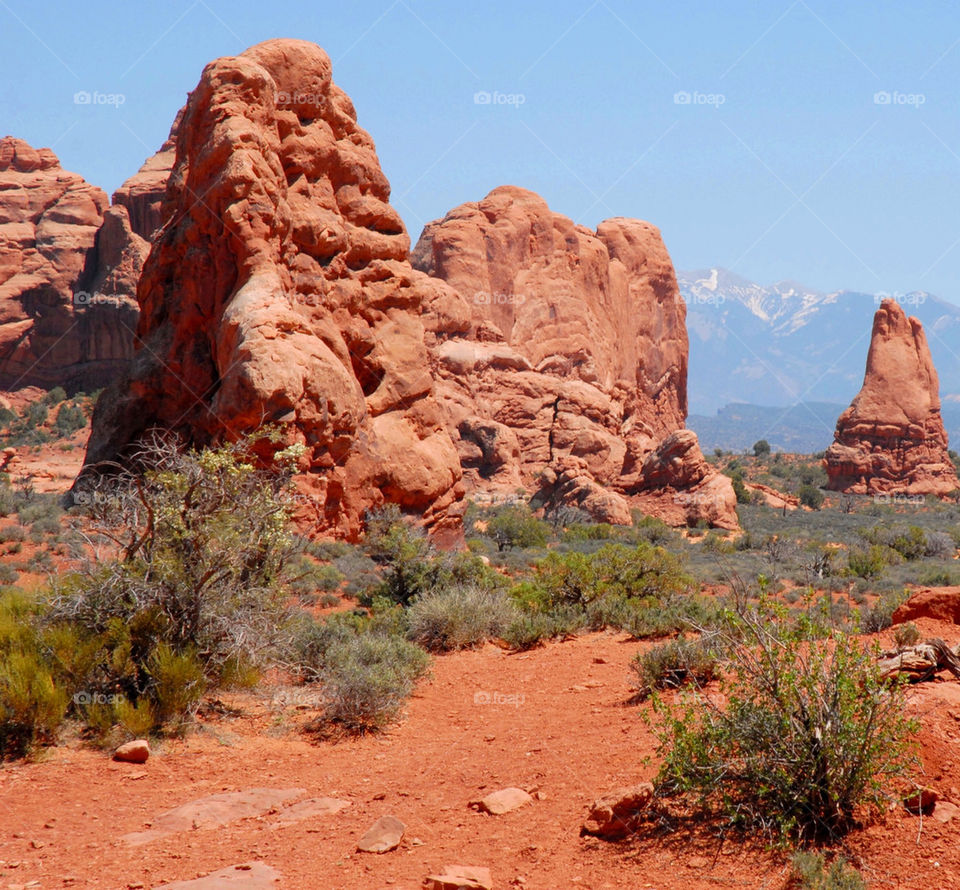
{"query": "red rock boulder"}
(891, 439)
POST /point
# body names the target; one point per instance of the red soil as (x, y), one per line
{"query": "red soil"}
(567, 734)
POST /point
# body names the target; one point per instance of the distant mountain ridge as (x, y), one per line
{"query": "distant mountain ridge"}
(785, 344)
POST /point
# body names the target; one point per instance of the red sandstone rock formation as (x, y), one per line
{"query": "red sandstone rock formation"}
(142, 194)
(53, 331)
(891, 439)
(565, 365)
(278, 290)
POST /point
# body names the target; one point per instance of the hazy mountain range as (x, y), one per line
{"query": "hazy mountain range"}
(787, 345)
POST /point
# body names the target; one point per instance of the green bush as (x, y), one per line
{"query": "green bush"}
(365, 681)
(740, 489)
(808, 737)
(70, 418)
(761, 448)
(810, 496)
(868, 563)
(32, 702)
(879, 616)
(516, 526)
(458, 617)
(529, 629)
(576, 579)
(198, 594)
(671, 665)
(809, 871)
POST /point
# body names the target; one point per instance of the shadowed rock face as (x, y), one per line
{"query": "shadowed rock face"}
(278, 290)
(891, 439)
(566, 365)
(53, 254)
(142, 194)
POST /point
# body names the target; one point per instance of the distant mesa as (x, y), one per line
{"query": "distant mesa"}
(891, 439)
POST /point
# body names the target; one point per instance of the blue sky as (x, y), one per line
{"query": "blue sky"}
(784, 163)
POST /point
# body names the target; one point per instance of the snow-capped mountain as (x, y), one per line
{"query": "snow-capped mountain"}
(783, 344)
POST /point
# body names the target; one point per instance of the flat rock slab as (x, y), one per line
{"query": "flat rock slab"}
(215, 810)
(504, 801)
(461, 877)
(249, 876)
(310, 808)
(384, 835)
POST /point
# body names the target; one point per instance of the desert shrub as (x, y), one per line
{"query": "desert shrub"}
(12, 533)
(366, 679)
(660, 618)
(458, 617)
(530, 628)
(740, 489)
(879, 616)
(652, 530)
(516, 526)
(328, 551)
(807, 737)
(32, 703)
(910, 542)
(674, 664)
(590, 531)
(939, 545)
(199, 585)
(410, 565)
(70, 418)
(810, 496)
(761, 448)
(55, 396)
(575, 579)
(176, 684)
(868, 562)
(716, 542)
(936, 577)
(906, 635)
(39, 508)
(809, 871)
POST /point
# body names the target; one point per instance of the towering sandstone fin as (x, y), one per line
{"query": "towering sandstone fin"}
(891, 439)
(278, 290)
